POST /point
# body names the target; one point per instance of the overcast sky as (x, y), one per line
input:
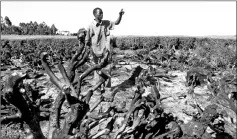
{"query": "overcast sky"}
(160, 18)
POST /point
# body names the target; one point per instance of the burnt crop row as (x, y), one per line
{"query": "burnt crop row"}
(187, 51)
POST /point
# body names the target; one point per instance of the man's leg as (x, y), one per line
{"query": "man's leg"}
(108, 85)
(96, 75)
(109, 69)
(110, 66)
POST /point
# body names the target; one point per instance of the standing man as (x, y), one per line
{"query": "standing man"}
(98, 39)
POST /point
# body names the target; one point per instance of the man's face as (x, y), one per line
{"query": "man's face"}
(99, 14)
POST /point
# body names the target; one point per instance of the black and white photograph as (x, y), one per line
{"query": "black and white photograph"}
(118, 70)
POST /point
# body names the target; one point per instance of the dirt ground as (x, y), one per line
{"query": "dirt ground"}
(174, 94)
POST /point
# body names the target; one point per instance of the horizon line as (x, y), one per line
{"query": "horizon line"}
(13, 36)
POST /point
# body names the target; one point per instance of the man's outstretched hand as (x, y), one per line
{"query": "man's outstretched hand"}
(121, 12)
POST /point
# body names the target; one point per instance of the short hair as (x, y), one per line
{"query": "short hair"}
(97, 8)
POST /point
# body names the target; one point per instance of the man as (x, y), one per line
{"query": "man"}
(98, 39)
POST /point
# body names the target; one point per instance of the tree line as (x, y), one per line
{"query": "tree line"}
(31, 28)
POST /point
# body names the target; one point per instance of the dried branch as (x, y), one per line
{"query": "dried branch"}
(104, 77)
(6, 119)
(102, 64)
(48, 70)
(64, 74)
(135, 103)
(29, 111)
(105, 131)
(82, 60)
(77, 62)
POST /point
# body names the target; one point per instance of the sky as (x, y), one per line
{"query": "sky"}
(148, 18)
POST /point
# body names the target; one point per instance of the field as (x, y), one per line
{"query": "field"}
(25, 37)
(20, 37)
(161, 87)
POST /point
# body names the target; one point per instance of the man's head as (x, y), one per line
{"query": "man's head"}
(98, 13)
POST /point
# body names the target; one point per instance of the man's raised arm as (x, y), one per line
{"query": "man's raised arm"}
(120, 17)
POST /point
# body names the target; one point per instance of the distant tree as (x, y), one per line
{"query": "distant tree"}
(22, 25)
(3, 29)
(16, 30)
(31, 28)
(31, 31)
(24, 28)
(3, 26)
(44, 24)
(40, 29)
(7, 21)
(53, 29)
(47, 30)
(2, 21)
(35, 26)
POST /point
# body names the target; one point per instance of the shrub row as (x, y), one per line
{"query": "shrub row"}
(179, 42)
(217, 52)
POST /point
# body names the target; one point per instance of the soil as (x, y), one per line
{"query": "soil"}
(174, 95)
